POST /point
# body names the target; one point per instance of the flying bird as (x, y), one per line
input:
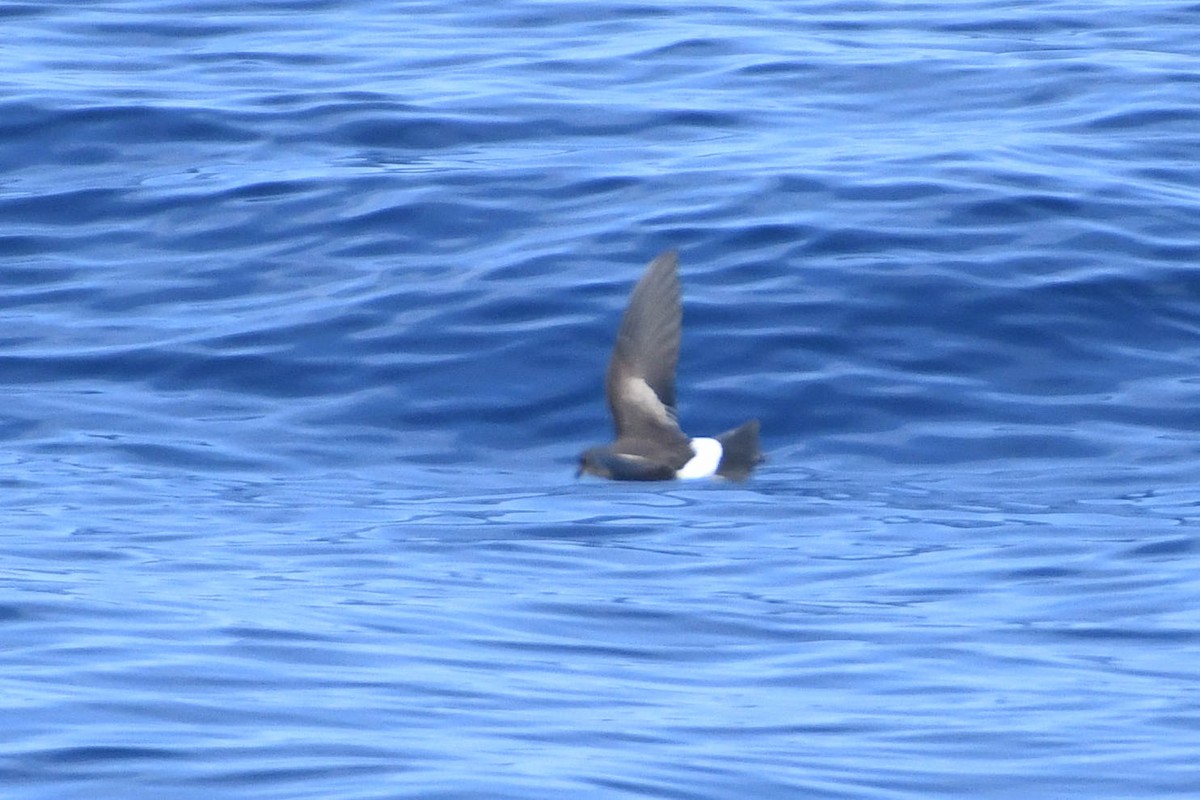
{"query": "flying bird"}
(640, 385)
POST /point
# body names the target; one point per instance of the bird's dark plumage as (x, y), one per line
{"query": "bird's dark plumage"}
(640, 385)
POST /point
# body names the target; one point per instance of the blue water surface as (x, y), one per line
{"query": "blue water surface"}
(304, 312)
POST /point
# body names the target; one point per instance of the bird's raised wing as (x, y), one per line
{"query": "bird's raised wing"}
(641, 375)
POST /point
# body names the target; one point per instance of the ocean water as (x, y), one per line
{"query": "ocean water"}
(304, 312)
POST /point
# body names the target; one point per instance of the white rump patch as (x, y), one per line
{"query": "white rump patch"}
(704, 464)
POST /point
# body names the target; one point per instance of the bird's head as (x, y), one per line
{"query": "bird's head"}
(596, 461)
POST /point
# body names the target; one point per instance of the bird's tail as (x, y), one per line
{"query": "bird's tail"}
(739, 451)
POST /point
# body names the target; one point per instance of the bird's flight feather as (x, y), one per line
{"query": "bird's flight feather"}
(640, 382)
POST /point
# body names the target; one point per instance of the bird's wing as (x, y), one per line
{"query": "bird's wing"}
(641, 375)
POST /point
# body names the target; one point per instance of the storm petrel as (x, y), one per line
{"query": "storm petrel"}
(640, 385)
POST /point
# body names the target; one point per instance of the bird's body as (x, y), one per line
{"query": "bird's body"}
(640, 385)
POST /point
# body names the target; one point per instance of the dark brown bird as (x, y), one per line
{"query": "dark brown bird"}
(640, 385)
